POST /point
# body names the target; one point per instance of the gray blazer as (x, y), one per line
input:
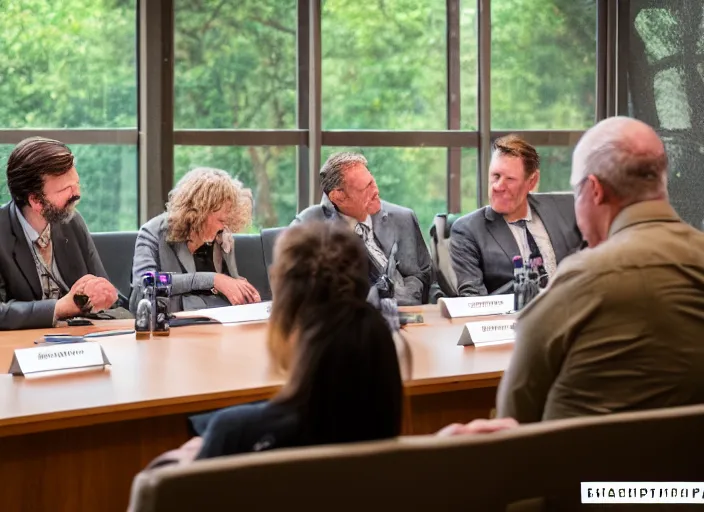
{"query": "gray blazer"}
(482, 246)
(21, 304)
(397, 230)
(152, 253)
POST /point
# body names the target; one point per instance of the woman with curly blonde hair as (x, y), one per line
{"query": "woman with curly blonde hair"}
(193, 240)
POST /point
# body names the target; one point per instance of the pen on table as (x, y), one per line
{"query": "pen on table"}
(67, 338)
(101, 334)
(52, 340)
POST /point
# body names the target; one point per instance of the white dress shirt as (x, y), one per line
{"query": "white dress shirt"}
(537, 229)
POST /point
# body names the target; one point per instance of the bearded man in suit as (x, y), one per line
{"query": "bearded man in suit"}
(49, 267)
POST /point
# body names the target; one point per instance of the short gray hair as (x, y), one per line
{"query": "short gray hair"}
(634, 171)
(332, 171)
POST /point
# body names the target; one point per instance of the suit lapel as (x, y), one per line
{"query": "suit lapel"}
(229, 259)
(551, 221)
(66, 258)
(23, 256)
(384, 232)
(329, 210)
(498, 228)
(184, 256)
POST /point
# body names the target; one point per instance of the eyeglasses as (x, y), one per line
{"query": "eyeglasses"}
(577, 189)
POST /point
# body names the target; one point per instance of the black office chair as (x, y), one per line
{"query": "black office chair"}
(116, 251)
(446, 280)
(249, 257)
(269, 236)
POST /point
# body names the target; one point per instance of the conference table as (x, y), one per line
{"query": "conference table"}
(74, 440)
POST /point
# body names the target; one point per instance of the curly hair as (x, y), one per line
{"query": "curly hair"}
(201, 192)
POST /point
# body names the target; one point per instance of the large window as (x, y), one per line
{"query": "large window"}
(555, 168)
(469, 180)
(267, 89)
(235, 69)
(108, 177)
(383, 64)
(469, 53)
(235, 64)
(68, 64)
(270, 172)
(543, 64)
(72, 65)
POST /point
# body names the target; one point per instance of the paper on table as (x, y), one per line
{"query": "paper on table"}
(233, 314)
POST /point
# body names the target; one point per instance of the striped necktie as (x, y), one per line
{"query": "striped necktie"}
(376, 255)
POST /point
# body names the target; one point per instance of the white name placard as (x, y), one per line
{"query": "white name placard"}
(256, 312)
(457, 307)
(59, 356)
(491, 332)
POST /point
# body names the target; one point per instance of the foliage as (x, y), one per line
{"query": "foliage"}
(73, 64)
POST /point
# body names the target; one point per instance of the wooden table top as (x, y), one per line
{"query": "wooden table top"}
(205, 367)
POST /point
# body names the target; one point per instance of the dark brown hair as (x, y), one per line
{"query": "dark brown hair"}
(344, 376)
(30, 161)
(345, 381)
(513, 145)
(313, 264)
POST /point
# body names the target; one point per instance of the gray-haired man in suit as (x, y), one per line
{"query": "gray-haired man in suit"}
(395, 245)
(517, 223)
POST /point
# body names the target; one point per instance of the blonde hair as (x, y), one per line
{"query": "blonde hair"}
(201, 192)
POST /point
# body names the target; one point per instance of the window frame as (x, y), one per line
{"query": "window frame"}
(156, 137)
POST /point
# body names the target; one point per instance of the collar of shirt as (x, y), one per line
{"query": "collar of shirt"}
(528, 217)
(645, 211)
(352, 222)
(29, 231)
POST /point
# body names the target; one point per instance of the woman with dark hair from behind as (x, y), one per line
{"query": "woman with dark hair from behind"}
(344, 386)
(344, 382)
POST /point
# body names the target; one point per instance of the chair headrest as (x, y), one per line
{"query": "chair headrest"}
(443, 221)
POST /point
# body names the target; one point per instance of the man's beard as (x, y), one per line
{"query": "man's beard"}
(55, 215)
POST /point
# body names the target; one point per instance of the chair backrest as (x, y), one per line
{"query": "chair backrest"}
(563, 200)
(483, 472)
(269, 236)
(440, 253)
(249, 257)
(116, 251)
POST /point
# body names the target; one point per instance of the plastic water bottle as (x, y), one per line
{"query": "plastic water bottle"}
(144, 316)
